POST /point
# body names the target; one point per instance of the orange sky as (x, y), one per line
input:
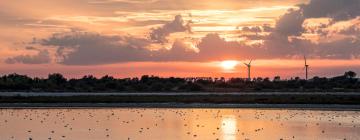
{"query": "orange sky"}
(128, 38)
(260, 68)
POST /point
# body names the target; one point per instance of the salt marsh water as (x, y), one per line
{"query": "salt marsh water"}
(177, 124)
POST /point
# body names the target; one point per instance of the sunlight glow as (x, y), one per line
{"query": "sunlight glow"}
(228, 126)
(228, 64)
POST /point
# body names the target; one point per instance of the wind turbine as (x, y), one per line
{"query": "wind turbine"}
(248, 65)
(306, 68)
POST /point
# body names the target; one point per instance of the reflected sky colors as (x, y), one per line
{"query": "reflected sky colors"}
(180, 124)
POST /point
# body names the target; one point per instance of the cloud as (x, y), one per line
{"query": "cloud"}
(86, 48)
(41, 57)
(251, 29)
(286, 40)
(92, 49)
(346, 48)
(254, 36)
(290, 23)
(159, 34)
(79, 47)
(180, 51)
(352, 30)
(335, 9)
(267, 28)
(212, 47)
(76, 38)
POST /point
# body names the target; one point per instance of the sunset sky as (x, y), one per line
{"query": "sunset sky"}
(128, 38)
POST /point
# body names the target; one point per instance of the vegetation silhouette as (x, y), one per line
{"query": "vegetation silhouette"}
(58, 83)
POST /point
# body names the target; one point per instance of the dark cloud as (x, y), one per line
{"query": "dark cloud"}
(76, 38)
(285, 41)
(290, 23)
(41, 57)
(92, 48)
(280, 46)
(335, 9)
(213, 47)
(85, 48)
(257, 29)
(180, 51)
(159, 34)
(267, 28)
(31, 48)
(347, 48)
(251, 29)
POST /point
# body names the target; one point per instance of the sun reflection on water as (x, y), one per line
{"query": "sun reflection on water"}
(228, 127)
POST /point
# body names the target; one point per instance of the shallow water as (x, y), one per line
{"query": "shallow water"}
(180, 124)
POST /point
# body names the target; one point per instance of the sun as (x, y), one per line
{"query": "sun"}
(228, 64)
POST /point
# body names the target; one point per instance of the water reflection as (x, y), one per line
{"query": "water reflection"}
(177, 124)
(228, 127)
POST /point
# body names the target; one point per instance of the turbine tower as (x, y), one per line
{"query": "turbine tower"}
(306, 68)
(248, 65)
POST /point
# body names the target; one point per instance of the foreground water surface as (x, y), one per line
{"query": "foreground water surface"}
(177, 123)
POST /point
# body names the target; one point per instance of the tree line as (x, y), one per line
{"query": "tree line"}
(58, 83)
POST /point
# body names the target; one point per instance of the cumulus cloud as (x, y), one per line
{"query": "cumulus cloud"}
(41, 57)
(213, 47)
(88, 48)
(287, 40)
(290, 23)
(337, 10)
(159, 34)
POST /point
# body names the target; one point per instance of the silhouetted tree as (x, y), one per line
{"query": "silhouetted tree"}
(57, 79)
(58, 83)
(350, 74)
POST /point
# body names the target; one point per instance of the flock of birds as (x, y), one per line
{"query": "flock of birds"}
(152, 123)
